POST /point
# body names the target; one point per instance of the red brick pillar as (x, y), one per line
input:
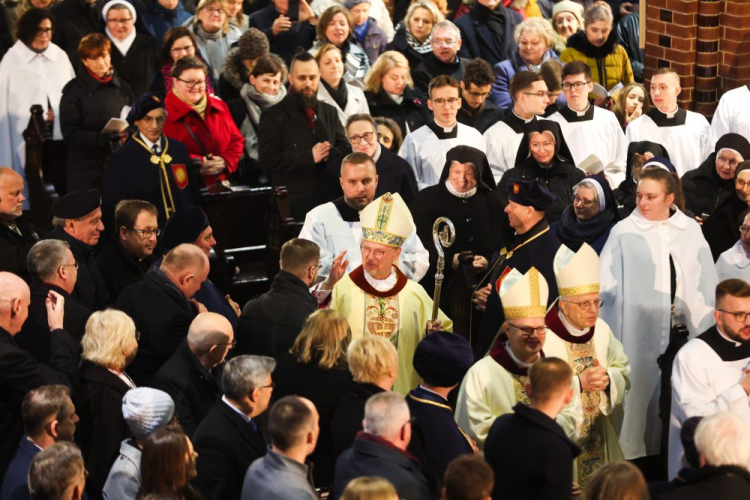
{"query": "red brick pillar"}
(734, 46)
(707, 56)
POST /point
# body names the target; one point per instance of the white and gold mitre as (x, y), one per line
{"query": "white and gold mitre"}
(576, 272)
(524, 295)
(387, 220)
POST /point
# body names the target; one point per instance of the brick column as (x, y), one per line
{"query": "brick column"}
(734, 46)
(707, 56)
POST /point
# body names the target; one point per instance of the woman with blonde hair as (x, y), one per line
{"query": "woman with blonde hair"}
(369, 488)
(373, 362)
(617, 481)
(214, 33)
(390, 93)
(109, 346)
(316, 368)
(414, 35)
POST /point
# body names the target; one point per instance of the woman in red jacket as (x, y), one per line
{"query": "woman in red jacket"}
(202, 122)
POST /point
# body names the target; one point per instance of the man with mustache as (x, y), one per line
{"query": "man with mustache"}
(297, 136)
(710, 373)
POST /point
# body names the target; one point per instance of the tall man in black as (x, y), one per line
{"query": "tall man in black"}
(17, 234)
(299, 135)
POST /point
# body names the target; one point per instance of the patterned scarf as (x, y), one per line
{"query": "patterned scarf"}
(574, 233)
(421, 48)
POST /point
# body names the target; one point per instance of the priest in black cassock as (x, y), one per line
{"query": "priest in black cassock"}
(150, 166)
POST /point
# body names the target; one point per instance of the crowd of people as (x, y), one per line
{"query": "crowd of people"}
(590, 236)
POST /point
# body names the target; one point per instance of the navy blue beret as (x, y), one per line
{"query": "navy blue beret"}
(144, 105)
(443, 358)
(530, 194)
(184, 226)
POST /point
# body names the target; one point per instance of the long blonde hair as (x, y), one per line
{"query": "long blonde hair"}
(324, 339)
(387, 61)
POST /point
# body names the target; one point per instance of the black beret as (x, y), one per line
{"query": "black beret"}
(77, 204)
(184, 226)
(143, 105)
(530, 194)
(443, 358)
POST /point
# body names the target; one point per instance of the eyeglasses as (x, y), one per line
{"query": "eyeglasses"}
(744, 229)
(44, 31)
(740, 184)
(583, 202)
(125, 20)
(738, 316)
(214, 10)
(146, 233)
(191, 84)
(528, 331)
(378, 254)
(585, 306)
(233, 343)
(269, 386)
(539, 94)
(442, 102)
(185, 49)
(443, 42)
(574, 85)
(367, 136)
(74, 264)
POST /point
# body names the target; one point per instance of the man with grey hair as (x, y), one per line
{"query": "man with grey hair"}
(380, 450)
(723, 443)
(52, 267)
(192, 374)
(229, 439)
(57, 473)
(162, 308)
(444, 60)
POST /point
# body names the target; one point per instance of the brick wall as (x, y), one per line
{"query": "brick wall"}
(706, 41)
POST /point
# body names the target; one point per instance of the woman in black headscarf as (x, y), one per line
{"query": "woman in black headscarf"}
(591, 216)
(544, 155)
(638, 154)
(466, 195)
(722, 229)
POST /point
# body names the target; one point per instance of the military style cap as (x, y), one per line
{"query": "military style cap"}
(144, 105)
(443, 358)
(77, 204)
(531, 194)
(184, 226)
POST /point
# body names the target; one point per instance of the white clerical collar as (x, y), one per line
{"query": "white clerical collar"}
(571, 329)
(376, 156)
(676, 109)
(383, 285)
(580, 113)
(521, 118)
(122, 45)
(235, 409)
(468, 194)
(517, 361)
(447, 130)
(736, 344)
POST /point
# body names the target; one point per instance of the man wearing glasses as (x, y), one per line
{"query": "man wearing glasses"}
(426, 147)
(444, 60)
(494, 385)
(710, 372)
(584, 341)
(734, 263)
(589, 129)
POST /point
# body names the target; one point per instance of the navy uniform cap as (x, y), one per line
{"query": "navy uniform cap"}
(184, 226)
(443, 358)
(144, 105)
(77, 204)
(531, 194)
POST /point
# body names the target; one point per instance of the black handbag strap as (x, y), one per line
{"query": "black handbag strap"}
(195, 138)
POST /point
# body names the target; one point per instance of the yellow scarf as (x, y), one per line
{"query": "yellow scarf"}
(199, 107)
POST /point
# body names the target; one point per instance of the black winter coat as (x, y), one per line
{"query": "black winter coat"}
(285, 149)
(324, 388)
(34, 336)
(226, 447)
(139, 64)
(347, 420)
(704, 190)
(412, 110)
(14, 248)
(90, 289)
(541, 465)
(726, 482)
(477, 37)
(399, 44)
(489, 115)
(193, 389)
(431, 66)
(269, 324)
(285, 44)
(120, 270)
(722, 229)
(74, 19)
(102, 427)
(85, 108)
(162, 314)
(20, 373)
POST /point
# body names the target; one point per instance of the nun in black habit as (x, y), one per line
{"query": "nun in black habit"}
(544, 156)
(466, 195)
(625, 192)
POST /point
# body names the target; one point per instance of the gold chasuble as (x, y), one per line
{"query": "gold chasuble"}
(399, 315)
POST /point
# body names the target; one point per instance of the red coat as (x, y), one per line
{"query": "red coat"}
(217, 132)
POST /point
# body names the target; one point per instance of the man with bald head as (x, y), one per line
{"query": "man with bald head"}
(19, 371)
(162, 308)
(17, 233)
(193, 373)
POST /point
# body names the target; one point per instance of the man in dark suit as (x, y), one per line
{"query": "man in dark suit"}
(17, 233)
(49, 416)
(380, 450)
(19, 371)
(162, 309)
(191, 375)
(52, 267)
(487, 31)
(229, 439)
(270, 324)
(298, 136)
(285, 37)
(528, 451)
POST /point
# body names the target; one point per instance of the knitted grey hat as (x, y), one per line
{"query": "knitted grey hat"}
(351, 3)
(253, 44)
(146, 410)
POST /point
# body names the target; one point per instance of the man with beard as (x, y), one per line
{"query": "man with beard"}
(710, 373)
(298, 135)
(335, 226)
